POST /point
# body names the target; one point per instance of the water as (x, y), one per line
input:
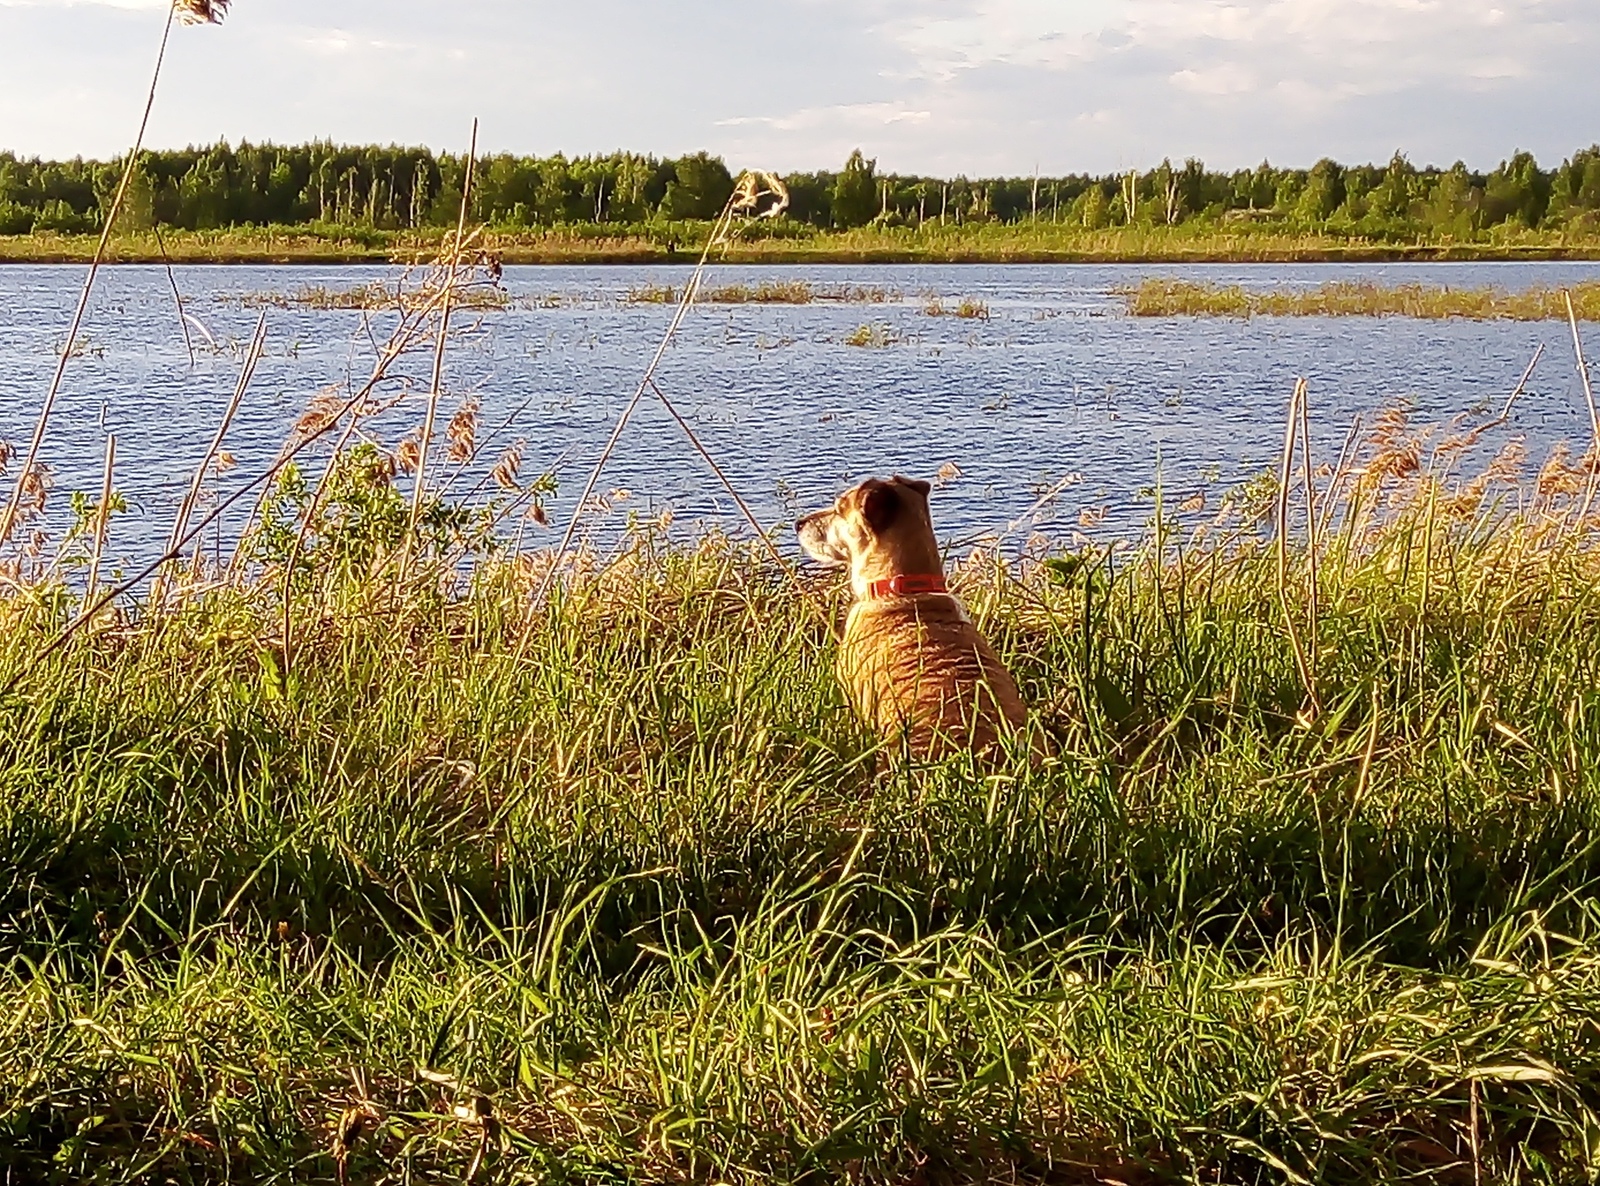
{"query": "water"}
(1057, 386)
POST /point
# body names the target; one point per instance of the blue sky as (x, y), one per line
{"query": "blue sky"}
(943, 86)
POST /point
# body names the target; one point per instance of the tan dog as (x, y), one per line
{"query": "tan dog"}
(911, 661)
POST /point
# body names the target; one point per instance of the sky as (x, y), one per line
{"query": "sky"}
(976, 87)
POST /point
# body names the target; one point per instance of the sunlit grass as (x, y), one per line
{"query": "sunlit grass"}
(1182, 298)
(974, 242)
(607, 883)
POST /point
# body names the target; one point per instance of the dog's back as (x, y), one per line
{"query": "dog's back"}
(917, 668)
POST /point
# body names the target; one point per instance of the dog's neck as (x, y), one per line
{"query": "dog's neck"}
(905, 584)
(910, 576)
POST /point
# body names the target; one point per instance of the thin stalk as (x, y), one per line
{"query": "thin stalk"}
(1505, 412)
(690, 292)
(435, 384)
(1594, 415)
(744, 508)
(1285, 473)
(9, 514)
(1311, 525)
(177, 297)
(102, 518)
(252, 357)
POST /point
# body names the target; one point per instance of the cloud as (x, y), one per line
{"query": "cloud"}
(858, 116)
(951, 86)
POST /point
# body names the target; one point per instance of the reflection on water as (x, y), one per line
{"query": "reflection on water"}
(1055, 384)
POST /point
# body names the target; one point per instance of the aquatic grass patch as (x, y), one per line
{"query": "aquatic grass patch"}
(769, 292)
(874, 335)
(969, 309)
(378, 295)
(1182, 298)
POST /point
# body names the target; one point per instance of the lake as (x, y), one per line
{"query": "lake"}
(1057, 387)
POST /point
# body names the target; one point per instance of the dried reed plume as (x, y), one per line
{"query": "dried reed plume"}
(754, 185)
(508, 467)
(463, 432)
(325, 407)
(33, 489)
(201, 12)
(408, 454)
(36, 485)
(7, 452)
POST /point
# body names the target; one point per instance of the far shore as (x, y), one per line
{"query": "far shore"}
(990, 244)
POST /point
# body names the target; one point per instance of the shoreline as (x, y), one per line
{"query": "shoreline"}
(309, 251)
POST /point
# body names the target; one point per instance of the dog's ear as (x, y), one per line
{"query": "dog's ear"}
(917, 485)
(880, 506)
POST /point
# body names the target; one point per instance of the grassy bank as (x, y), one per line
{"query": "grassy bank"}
(792, 243)
(1179, 298)
(460, 879)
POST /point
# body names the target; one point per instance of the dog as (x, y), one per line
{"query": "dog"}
(912, 663)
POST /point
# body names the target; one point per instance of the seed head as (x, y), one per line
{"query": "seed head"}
(508, 467)
(201, 12)
(463, 432)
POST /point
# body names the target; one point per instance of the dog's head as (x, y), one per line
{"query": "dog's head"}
(880, 529)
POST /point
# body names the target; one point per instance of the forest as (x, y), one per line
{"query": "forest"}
(395, 188)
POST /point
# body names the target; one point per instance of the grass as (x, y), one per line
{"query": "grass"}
(970, 308)
(377, 295)
(1197, 241)
(872, 335)
(1181, 298)
(769, 292)
(473, 882)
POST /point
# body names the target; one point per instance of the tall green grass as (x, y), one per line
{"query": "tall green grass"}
(606, 884)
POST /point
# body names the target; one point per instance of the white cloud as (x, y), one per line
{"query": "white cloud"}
(948, 85)
(860, 116)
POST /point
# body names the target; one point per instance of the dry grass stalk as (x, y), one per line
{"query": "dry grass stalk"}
(436, 382)
(690, 291)
(1302, 663)
(102, 518)
(1588, 395)
(186, 508)
(754, 185)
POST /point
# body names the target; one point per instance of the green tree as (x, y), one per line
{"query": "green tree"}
(855, 192)
(1323, 192)
(1517, 192)
(1392, 197)
(700, 188)
(138, 202)
(1093, 209)
(1454, 206)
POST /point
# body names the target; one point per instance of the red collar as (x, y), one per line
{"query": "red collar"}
(907, 585)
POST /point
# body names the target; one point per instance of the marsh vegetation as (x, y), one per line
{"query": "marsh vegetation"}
(1175, 298)
(379, 853)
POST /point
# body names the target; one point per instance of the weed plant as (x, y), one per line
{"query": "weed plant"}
(1182, 298)
(420, 867)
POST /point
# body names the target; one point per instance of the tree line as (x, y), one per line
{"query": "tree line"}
(395, 188)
